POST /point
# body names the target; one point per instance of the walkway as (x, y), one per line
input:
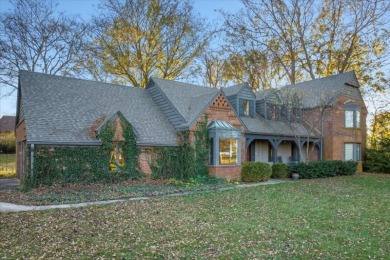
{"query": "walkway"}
(9, 207)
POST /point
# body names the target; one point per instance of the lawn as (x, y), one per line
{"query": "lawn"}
(7, 165)
(334, 218)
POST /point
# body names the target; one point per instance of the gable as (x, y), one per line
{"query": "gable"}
(220, 109)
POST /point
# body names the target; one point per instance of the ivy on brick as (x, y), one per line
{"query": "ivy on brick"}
(185, 161)
(59, 165)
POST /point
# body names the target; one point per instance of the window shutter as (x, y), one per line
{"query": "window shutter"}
(252, 108)
(241, 107)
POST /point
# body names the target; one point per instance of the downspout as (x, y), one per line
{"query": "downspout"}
(322, 135)
(32, 160)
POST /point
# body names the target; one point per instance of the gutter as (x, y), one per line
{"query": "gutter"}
(93, 143)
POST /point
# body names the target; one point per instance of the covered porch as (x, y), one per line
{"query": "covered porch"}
(282, 149)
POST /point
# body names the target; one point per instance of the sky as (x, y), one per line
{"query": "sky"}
(86, 8)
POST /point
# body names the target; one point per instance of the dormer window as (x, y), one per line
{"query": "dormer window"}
(246, 107)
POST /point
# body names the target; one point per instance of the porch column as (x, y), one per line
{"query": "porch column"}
(252, 151)
(275, 145)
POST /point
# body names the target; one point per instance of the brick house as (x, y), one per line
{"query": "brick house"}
(60, 111)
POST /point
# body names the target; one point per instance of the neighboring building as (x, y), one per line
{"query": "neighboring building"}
(7, 124)
(7, 129)
(59, 111)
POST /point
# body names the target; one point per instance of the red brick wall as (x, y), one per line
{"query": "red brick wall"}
(232, 172)
(20, 133)
(220, 109)
(20, 136)
(335, 133)
(144, 160)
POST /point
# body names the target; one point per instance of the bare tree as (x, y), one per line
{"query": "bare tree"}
(278, 28)
(142, 38)
(315, 38)
(304, 112)
(35, 37)
(214, 64)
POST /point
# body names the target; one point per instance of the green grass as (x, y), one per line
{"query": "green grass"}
(334, 218)
(7, 165)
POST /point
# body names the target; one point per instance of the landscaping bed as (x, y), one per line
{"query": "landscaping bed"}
(76, 193)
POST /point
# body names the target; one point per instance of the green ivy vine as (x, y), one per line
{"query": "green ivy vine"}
(185, 161)
(83, 164)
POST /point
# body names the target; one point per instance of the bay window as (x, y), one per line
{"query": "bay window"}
(227, 151)
(225, 144)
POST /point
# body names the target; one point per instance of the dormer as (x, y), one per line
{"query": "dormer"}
(242, 99)
(268, 104)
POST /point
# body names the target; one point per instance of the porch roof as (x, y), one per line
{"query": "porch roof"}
(260, 125)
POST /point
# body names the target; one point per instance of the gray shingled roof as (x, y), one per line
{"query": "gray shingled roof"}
(61, 109)
(234, 90)
(259, 125)
(188, 99)
(7, 124)
(268, 95)
(316, 92)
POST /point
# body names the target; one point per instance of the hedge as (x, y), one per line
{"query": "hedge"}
(279, 170)
(255, 171)
(378, 160)
(321, 169)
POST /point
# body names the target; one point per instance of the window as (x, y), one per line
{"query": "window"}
(227, 151)
(352, 116)
(352, 152)
(117, 159)
(246, 107)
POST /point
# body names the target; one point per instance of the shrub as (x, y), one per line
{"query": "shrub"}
(255, 171)
(378, 160)
(7, 143)
(320, 169)
(279, 170)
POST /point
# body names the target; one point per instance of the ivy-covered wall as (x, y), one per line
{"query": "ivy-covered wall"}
(188, 160)
(83, 164)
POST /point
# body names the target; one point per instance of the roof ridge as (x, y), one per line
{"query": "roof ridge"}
(78, 79)
(322, 78)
